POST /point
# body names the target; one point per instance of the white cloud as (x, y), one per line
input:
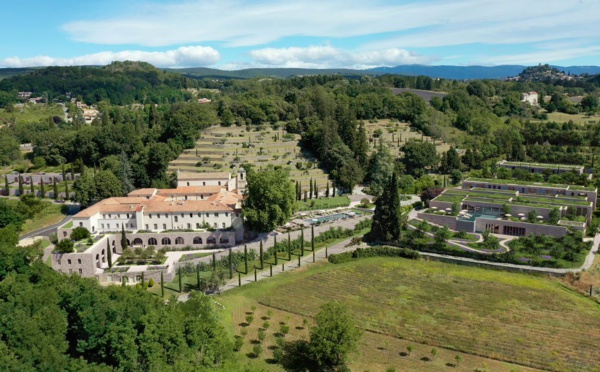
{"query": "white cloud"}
(427, 23)
(191, 56)
(330, 57)
(542, 56)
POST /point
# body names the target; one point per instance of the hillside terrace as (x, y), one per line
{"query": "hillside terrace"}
(513, 198)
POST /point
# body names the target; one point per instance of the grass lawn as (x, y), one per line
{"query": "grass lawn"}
(508, 317)
(323, 203)
(48, 216)
(577, 119)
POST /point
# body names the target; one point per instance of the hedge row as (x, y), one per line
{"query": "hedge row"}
(373, 252)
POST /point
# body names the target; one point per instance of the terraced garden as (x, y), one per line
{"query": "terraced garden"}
(224, 149)
(527, 320)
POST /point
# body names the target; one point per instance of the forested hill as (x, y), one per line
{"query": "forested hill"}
(121, 83)
(445, 72)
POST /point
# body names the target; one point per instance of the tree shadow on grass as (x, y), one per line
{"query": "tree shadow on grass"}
(255, 342)
(297, 357)
(403, 354)
(244, 324)
(450, 365)
(425, 359)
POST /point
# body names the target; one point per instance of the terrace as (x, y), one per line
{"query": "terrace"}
(532, 184)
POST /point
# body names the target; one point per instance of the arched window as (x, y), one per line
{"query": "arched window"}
(166, 241)
(211, 240)
(197, 240)
(224, 241)
(152, 241)
(179, 240)
(138, 241)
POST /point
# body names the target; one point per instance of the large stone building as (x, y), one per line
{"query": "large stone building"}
(202, 212)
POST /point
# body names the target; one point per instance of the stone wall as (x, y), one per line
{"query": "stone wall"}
(179, 240)
(530, 228)
(440, 220)
(134, 277)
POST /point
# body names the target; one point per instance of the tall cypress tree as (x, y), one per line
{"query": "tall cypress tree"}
(64, 174)
(310, 193)
(289, 247)
(302, 240)
(245, 259)
(299, 191)
(312, 238)
(276, 253)
(316, 190)
(42, 190)
(108, 253)
(387, 218)
(31, 187)
(66, 189)
(327, 190)
(230, 264)
(260, 252)
(333, 189)
(162, 285)
(21, 191)
(55, 187)
(6, 185)
(123, 237)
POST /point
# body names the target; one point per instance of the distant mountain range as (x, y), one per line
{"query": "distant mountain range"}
(446, 72)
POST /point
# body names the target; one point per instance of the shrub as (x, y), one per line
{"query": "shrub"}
(257, 350)
(373, 252)
(79, 233)
(65, 246)
(239, 342)
(151, 283)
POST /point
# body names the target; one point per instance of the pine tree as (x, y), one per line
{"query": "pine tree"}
(387, 218)
(123, 237)
(21, 191)
(42, 190)
(55, 186)
(108, 253)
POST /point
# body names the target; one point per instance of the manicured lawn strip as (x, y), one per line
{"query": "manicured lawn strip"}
(513, 317)
(323, 203)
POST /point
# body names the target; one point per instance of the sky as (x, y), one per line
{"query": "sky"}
(236, 34)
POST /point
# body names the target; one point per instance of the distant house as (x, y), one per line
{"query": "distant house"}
(24, 95)
(530, 97)
(203, 100)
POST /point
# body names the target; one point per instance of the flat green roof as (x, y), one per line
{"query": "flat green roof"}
(532, 184)
(540, 165)
(484, 196)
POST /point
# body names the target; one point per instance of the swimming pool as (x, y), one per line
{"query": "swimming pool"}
(331, 217)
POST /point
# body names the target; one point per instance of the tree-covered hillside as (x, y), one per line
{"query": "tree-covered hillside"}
(121, 83)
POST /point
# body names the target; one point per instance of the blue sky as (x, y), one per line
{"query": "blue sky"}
(233, 34)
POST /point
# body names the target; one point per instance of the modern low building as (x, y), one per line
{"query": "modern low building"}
(542, 167)
(505, 207)
(530, 97)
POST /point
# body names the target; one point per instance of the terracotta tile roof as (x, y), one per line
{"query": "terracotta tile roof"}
(190, 190)
(142, 192)
(187, 206)
(202, 176)
(226, 197)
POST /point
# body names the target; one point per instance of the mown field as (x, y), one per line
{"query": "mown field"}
(488, 317)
